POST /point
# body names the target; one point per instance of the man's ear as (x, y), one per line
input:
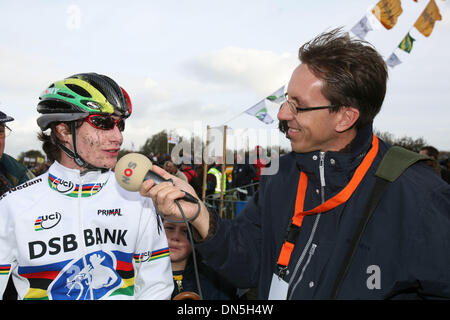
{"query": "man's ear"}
(347, 118)
(63, 133)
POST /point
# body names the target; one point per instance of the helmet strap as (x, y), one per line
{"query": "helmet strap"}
(74, 154)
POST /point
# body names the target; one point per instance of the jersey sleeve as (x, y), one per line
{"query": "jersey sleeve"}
(153, 278)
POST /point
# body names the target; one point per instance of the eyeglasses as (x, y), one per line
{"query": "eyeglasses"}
(295, 110)
(4, 131)
(102, 122)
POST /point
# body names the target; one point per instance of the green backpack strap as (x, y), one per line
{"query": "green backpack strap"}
(396, 161)
(393, 164)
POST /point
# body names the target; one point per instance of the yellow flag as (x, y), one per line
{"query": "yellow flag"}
(429, 16)
(388, 11)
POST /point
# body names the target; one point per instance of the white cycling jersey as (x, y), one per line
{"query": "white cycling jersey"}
(69, 236)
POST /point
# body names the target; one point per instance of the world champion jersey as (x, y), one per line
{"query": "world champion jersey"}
(69, 236)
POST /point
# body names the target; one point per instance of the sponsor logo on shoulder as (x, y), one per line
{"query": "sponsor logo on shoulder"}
(21, 186)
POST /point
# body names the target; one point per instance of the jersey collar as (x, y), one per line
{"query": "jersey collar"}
(71, 183)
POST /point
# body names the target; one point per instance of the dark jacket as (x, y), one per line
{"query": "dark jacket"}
(242, 175)
(214, 287)
(406, 243)
(12, 173)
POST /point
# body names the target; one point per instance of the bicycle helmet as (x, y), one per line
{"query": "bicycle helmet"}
(80, 95)
(77, 97)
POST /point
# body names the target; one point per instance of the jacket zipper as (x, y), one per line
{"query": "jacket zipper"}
(322, 175)
(311, 236)
(311, 253)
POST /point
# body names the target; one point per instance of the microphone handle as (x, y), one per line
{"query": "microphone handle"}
(158, 179)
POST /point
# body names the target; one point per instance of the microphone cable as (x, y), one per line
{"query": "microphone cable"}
(190, 237)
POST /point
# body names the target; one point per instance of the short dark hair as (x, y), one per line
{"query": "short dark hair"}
(49, 145)
(353, 72)
(52, 151)
(431, 151)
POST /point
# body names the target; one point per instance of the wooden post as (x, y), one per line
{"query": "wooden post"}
(224, 158)
(205, 165)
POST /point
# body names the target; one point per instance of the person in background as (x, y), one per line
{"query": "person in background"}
(170, 167)
(12, 172)
(242, 176)
(433, 153)
(259, 165)
(213, 286)
(194, 176)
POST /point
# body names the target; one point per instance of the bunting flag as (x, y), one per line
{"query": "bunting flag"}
(362, 28)
(277, 96)
(429, 16)
(388, 11)
(393, 60)
(407, 43)
(260, 111)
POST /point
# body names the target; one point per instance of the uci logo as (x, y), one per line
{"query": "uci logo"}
(63, 186)
(47, 221)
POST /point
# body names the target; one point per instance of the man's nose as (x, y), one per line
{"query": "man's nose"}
(285, 113)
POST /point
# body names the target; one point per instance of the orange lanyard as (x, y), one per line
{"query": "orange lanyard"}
(340, 198)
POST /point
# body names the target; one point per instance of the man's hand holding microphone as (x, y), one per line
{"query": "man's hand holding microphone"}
(134, 172)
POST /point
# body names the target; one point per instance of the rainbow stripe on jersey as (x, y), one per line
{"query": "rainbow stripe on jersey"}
(71, 189)
(150, 256)
(4, 269)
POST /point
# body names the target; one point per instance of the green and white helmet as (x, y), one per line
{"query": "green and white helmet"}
(81, 95)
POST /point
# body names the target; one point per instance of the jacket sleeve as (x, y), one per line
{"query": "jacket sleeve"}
(234, 250)
(7, 260)
(431, 265)
(427, 269)
(151, 262)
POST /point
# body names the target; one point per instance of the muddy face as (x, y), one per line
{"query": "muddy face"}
(99, 147)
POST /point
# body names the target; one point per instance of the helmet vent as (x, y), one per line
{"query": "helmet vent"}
(66, 95)
(79, 90)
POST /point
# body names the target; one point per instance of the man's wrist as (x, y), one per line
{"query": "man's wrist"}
(204, 225)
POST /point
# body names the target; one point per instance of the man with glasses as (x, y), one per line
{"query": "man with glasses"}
(293, 236)
(12, 173)
(73, 232)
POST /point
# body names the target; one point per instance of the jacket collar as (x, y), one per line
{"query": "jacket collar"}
(71, 182)
(338, 166)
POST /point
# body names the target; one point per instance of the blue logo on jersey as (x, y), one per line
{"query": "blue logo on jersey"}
(85, 282)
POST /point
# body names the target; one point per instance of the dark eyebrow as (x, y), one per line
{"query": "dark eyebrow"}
(297, 100)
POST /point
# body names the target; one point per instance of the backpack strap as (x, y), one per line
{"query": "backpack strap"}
(393, 164)
(396, 161)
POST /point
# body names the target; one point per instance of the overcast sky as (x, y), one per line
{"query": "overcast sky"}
(195, 63)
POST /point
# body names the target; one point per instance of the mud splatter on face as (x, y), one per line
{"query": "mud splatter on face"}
(98, 147)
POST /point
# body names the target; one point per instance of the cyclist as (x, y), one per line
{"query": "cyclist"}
(73, 232)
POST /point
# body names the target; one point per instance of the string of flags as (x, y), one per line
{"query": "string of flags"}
(259, 110)
(387, 12)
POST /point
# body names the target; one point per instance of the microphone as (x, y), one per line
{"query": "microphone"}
(134, 168)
